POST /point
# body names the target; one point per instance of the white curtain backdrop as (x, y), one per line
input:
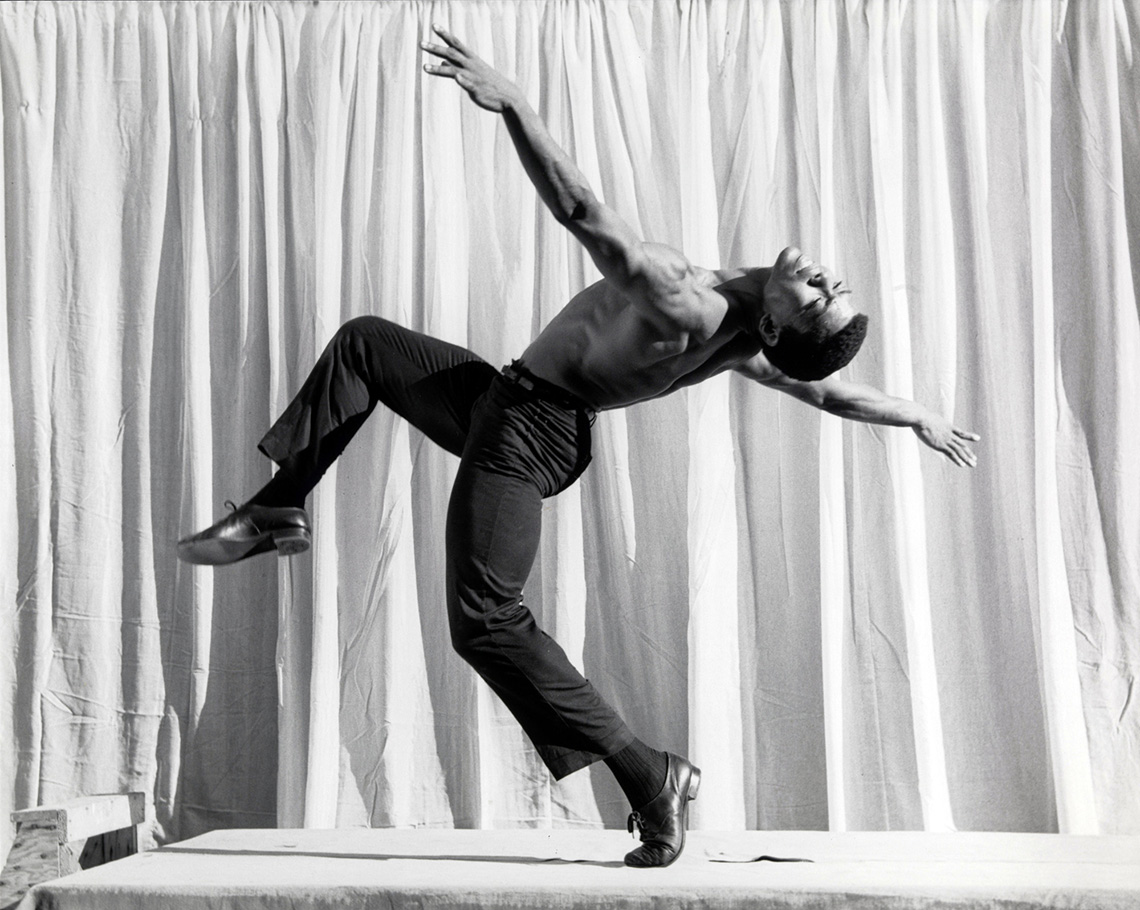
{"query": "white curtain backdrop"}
(840, 627)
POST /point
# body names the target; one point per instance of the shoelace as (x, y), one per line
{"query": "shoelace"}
(229, 504)
(635, 820)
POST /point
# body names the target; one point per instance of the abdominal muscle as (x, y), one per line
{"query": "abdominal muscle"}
(606, 351)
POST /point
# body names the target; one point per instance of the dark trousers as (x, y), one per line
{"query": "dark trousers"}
(516, 447)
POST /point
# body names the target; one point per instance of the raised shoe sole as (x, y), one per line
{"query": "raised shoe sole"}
(222, 551)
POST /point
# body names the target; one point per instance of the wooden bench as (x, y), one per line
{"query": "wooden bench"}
(57, 840)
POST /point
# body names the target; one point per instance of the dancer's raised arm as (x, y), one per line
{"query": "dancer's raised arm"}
(617, 251)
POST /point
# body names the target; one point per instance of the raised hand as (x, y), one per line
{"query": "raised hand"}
(942, 436)
(487, 87)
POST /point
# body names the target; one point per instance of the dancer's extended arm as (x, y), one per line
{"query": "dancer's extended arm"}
(870, 405)
(620, 255)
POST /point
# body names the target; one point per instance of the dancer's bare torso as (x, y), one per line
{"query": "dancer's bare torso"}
(612, 350)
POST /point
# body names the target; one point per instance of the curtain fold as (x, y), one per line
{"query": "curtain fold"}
(841, 628)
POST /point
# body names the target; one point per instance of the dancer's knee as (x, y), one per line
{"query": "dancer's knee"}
(358, 343)
(512, 623)
(470, 620)
(468, 640)
(358, 326)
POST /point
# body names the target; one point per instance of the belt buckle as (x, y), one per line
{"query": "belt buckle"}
(513, 374)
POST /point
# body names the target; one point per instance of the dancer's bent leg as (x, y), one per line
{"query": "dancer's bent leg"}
(430, 383)
(369, 361)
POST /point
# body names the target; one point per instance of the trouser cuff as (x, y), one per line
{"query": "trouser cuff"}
(563, 762)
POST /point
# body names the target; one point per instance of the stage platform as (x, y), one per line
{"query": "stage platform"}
(567, 869)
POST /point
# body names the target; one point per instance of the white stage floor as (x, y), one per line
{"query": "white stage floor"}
(570, 869)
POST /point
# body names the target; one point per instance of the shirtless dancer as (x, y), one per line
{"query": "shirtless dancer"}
(653, 324)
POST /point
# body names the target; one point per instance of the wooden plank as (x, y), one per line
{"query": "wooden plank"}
(34, 858)
(52, 841)
(79, 819)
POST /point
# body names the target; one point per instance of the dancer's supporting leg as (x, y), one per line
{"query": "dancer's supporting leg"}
(520, 449)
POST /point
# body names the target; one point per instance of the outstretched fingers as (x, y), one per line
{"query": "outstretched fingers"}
(950, 452)
(450, 39)
(961, 453)
(453, 50)
(453, 55)
(486, 87)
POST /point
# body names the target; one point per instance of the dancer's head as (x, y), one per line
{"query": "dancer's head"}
(808, 327)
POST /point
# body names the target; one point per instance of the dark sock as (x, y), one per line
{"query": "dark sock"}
(281, 491)
(640, 772)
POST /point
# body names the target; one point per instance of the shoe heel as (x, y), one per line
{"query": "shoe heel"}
(291, 541)
(694, 783)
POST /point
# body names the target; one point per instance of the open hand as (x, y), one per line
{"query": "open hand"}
(942, 436)
(487, 87)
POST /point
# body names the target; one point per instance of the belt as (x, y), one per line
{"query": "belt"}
(517, 373)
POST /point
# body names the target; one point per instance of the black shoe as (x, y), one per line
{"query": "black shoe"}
(662, 820)
(247, 531)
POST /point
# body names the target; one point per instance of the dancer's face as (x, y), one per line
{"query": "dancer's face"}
(804, 296)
